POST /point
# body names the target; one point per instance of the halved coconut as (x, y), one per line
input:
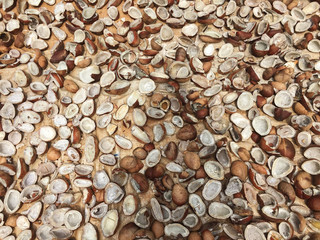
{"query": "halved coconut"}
(304, 139)
(166, 33)
(130, 205)
(262, 125)
(201, 81)
(180, 71)
(82, 182)
(211, 190)
(99, 211)
(159, 132)
(87, 125)
(179, 213)
(253, 233)
(121, 112)
(43, 31)
(298, 14)
(191, 220)
(123, 142)
(297, 220)
(234, 186)
(46, 168)
(230, 97)
(91, 150)
(225, 51)
(286, 230)
(219, 210)
(139, 117)
(146, 85)
(228, 65)
(156, 210)
(314, 46)
(34, 211)
(270, 61)
(223, 157)
(260, 48)
(89, 232)
(155, 113)
(5, 231)
(190, 30)
(31, 193)
(107, 79)
(12, 201)
(7, 149)
(100, 179)
(281, 167)
(60, 233)
(194, 185)
(206, 138)
(23, 222)
(311, 166)
(239, 120)
(47, 133)
(58, 186)
(43, 232)
(266, 199)
(258, 155)
(142, 218)
(209, 35)
(113, 193)
(245, 101)
(83, 169)
(286, 131)
(141, 135)
(269, 214)
(153, 158)
(72, 219)
(311, 8)
(90, 74)
(197, 204)
(107, 144)
(283, 99)
(214, 170)
(174, 230)
(312, 152)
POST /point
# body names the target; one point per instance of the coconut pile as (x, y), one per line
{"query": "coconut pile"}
(159, 119)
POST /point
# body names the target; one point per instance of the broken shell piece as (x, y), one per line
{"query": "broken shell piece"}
(146, 85)
(166, 33)
(281, 167)
(214, 170)
(47, 133)
(245, 101)
(180, 71)
(228, 65)
(176, 229)
(211, 190)
(253, 233)
(262, 125)
(7, 149)
(72, 219)
(283, 99)
(106, 144)
(109, 223)
(314, 46)
(12, 201)
(225, 51)
(219, 210)
(311, 166)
